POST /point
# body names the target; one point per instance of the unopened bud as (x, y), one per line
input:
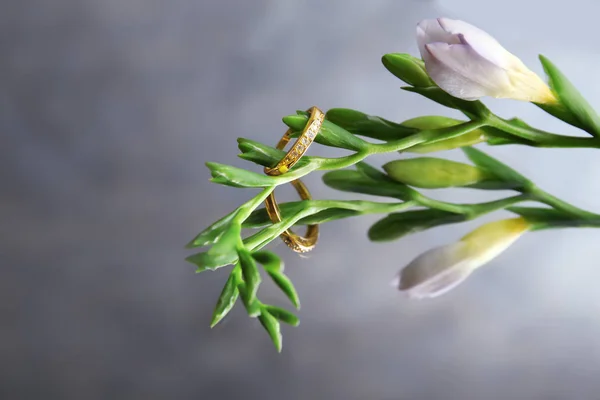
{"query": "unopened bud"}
(434, 173)
(438, 122)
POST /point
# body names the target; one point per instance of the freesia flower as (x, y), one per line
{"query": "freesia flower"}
(440, 269)
(468, 63)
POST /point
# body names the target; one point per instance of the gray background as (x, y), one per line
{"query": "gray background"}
(108, 111)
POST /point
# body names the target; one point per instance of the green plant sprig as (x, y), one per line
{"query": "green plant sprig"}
(410, 210)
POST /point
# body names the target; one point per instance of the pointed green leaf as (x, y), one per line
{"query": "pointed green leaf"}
(225, 249)
(223, 253)
(252, 305)
(577, 111)
(328, 215)
(283, 315)
(205, 261)
(269, 260)
(286, 286)
(273, 327)
(396, 225)
(259, 153)
(237, 177)
(329, 135)
(226, 301)
(250, 273)
(495, 167)
(212, 234)
(355, 181)
(369, 126)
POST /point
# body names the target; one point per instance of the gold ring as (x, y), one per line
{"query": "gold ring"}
(297, 243)
(299, 148)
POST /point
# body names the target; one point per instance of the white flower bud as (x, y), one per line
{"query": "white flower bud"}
(440, 269)
(468, 63)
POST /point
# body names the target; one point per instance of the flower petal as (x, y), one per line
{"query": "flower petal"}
(430, 31)
(480, 41)
(436, 271)
(460, 71)
(491, 239)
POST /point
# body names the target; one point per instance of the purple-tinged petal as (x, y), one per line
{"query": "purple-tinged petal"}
(458, 70)
(480, 41)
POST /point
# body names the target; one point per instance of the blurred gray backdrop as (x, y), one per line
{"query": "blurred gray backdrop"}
(108, 111)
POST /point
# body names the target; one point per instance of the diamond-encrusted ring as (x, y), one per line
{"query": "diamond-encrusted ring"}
(300, 244)
(299, 148)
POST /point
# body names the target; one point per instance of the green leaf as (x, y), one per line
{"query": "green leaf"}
(223, 253)
(470, 108)
(328, 215)
(355, 181)
(237, 177)
(329, 135)
(365, 125)
(499, 170)
(272, 326)
(544, 218)
(286, 286)
(282, 315)
(227, 299)
(576, 111)
(250, 274)
(407, 68)
(434, 173)
(252, 305)
(269, 260)
(212, 234)
(259, 153)
(396, 225)
(205, 261)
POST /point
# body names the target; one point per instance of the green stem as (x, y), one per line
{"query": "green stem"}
(558, 204)
(542, 138)
(471, 210)
(364, 206)
(577, 223)
(429, 136)
(480, 209)
(246, 209)
(260, 239)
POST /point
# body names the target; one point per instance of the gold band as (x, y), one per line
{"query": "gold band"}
(299, 148)
(297, 243)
